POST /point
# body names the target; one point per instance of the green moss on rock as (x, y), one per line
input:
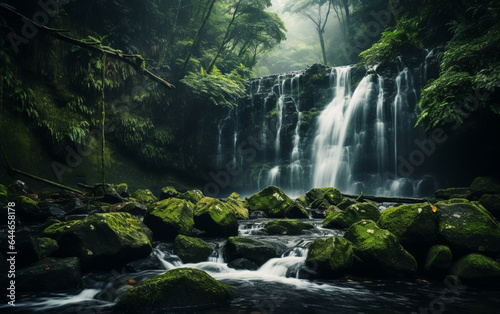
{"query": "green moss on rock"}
(468, 227)
(105, 241)
(446, 194)
(54, 230)
(330, 257)
(47, 246)
(238, 206)
(168, 192)
(379, 251)
(322, 198)
(485, 185)
(193, 196)
(302, 201)
(492, 203)
(169, 218)
(215, 217)
(191, 250)
(414, 225)
(144, 196)
(346, 202)
(477, 269)
(271, 200)
(257, 251)
(439, 259)
(28, 209)
(296, 210)
(181, 287)
(353, 213)
(288, 227)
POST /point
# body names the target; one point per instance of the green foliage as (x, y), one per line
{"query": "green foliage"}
(395, 42)
(215, 88)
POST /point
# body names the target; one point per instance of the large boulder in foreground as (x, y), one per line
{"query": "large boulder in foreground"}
(467, 227)
(379, 251)
(177, 288)
(287, 227)
(169, 218)
(477, 269)
(256, 251)
(50, 274)
(105, 241)
(330, 257)
(323, 198)
(414, 225)
(191, 250)
(272, 201)
(215, 217)
(352, 214)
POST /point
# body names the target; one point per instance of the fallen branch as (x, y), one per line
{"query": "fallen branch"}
(136, 61)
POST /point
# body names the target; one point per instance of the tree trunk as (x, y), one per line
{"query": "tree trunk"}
(322, 42)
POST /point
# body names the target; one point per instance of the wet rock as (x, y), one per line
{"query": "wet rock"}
(254, 250)
(242, 263)
(181, 287)
(477, 269)
(28, 209)
(353, 213)
(170, 218)
(467, 227)
(257, 214)
(296, 210)
(168, 192)
(302, 201)
(379, 251)
(191, 250)
(144, 196)
(193, 196)
(56, 228)
(149, 263)
(215, 217)
(238, 205)
(414, 225)
(323, 198)
(106, 241)
(446, 194)
(492, 203)
(439, 260)
(346, 202)
(271, 200)
(287, 227)
(485, 185)
(329, 257)
(47, 246)
(26, 246)
(19, 188)
(50, 274)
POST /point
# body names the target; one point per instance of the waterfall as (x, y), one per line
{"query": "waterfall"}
(296, 171)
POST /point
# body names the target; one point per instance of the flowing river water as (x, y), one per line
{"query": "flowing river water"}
(275, 286)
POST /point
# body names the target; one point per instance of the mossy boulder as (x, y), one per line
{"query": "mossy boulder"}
(346, 202)
(177, 288)
(352, 214)
(27, 248)
(302, 201)
(47, 246)
(144, 196)
(106, 241)
(446, 194)
(492, 203)
(485, 185)
(28, 209)
(191, 250)
(193, 196)
(287, 227)
(134, 208)
(477, 269)
(169, 192)
(379, 251)
(467, 227)
(242, 263)
(3, 194)
(322, 198)
(296, 210)
(414, 225)
(122, 190)
(49, 275)
(215, 217)
(271, 200)
(55, 229)
(439, 260)
(254, 250)
(169, 218)
(235, 202)
(330, 257)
